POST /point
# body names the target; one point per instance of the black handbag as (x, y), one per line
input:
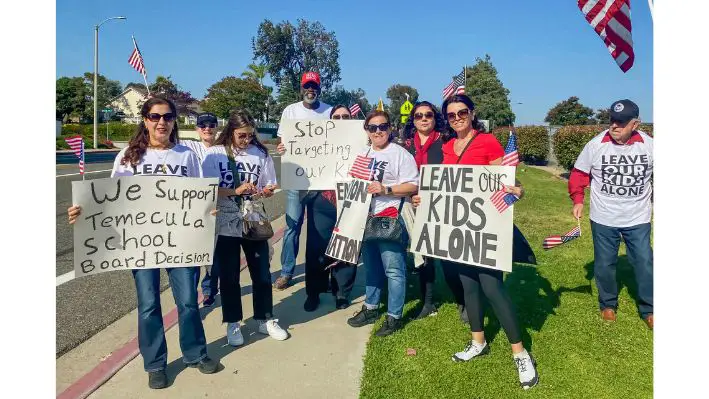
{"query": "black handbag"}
(259, 230)
(384, 228)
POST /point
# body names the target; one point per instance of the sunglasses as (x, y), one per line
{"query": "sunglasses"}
(343, 116)
(311, 86)
(206, 125)
(244, 136)
(155, 117)
(462, 114)
(419, 115)
(373, 128)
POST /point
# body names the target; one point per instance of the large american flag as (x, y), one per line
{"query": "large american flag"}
(76, 143)
(502, 199)
(457, 86)
(511, 156)
(354, 110)
(136, 59)
(554, 241)
(611, 21)
(362, 168)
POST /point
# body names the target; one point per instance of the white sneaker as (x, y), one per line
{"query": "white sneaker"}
(233, 334)
(271, 327)
(473, 349)
(528, 376)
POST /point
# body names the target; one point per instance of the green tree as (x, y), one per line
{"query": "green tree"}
(397, 96)
(488, 93)
(603, 116)
(165, 87)
(231, 93)
(290, 50)
(570, 112)
(256, 72)
(73, 97)
(338, 95)
(107, 90)
(286, 96)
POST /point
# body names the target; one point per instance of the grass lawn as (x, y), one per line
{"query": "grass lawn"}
(578, 355)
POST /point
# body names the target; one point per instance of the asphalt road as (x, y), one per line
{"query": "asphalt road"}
(88, 304)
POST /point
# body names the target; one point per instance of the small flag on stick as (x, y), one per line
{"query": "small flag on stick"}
(502, 199)
(511, 157)
(362, 168)
(354, 110)
(554, 241)
(457, 86)
(76, 143)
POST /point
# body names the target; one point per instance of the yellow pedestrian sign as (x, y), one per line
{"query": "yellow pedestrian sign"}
(405, 110)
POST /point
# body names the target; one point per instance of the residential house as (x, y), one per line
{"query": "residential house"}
(129, 102)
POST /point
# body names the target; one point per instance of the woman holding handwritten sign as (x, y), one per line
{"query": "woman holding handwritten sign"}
(466, 143)
(394, 177)
(245, 171)
(153, 151)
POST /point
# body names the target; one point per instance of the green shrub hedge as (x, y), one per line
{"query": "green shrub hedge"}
(569, 141)
(532, 141)
(117, 131)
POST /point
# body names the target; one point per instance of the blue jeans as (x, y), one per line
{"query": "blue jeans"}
(210, 281)
(295, 212)
(385, 261)
(151, 334)
(606, 241)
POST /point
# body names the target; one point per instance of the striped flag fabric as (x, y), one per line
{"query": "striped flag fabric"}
(611, 21)
(355, 109)
(362, 168)
(76, 143)
(511, 157)
(502, 200)
(457, 86)
(554, 241)
(136, 59)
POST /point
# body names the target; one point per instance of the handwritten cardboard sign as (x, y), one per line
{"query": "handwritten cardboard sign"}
(352, 210)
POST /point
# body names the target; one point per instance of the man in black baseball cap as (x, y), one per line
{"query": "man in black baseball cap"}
(624, 120)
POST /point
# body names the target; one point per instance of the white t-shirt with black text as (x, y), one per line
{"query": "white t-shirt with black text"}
(621, 179)
(176, 161)
(298, 111)
(392, 166)
(251, 165)
(197, 146)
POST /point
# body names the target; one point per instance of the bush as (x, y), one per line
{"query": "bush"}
(532, 142)
(117, 131)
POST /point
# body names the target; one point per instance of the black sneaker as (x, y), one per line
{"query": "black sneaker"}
(157, 379)
(341, 303)
(208, 301)
(206, 365)
(463, 314)
(389, 327)
(363, 317)
(428, 310)
(311, 303)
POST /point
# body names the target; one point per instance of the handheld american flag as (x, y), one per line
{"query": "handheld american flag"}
(362, 168)
(76, 143)
(511, 157)
(457, 86)
(554, 241)
(502, 200)
(611, 21)
(354, 110)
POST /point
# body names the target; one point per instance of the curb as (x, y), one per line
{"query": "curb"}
(117, 359)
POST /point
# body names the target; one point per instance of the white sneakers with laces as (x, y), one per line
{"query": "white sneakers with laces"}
(234, 337)
(528, 376)
(473, 349)
(271, 327)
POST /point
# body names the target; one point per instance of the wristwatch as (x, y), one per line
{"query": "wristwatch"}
(387, 190)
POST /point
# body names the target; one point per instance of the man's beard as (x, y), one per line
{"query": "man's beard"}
(308, 100)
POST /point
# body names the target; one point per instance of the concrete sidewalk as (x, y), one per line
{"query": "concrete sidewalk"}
(323, 358)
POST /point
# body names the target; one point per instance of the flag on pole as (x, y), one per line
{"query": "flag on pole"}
(457, 86)
(355, 109)
(502, 199)
(554, 241)
(136, 61)
(362, 168)
(511, 156)
(611, 21)
(380, 105)
(76, 143)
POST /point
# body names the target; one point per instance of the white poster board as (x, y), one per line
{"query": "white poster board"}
(318, 152)
(352, 210)
(456, 219)
(137, 222)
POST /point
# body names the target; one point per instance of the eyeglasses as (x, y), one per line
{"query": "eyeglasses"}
(462, 114)
(155, 117)
(244, 136)
(419, 115)
(206, 125)
(373, 128)
(311, 85)
(343, 116)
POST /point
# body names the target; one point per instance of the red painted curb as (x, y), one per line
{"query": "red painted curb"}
(109, 366)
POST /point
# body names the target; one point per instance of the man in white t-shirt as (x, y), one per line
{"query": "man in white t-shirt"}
(310, 108)
(618, 165)
(207, 131)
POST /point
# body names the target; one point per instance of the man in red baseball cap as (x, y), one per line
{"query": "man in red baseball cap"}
(310, 108)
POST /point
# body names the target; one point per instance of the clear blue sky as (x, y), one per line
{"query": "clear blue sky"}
(543, 54)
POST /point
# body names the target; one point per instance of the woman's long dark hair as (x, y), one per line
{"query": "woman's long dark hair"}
(238, 119)
(338, 106)
(138, 144)
(448, 132)
(409, 128)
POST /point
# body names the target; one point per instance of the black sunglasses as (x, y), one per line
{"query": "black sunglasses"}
(373, 128)
(463, 113)
(427, 115)
(245, 136)
(343, 116)
(155, 117)
(311, 85)
(205, 125)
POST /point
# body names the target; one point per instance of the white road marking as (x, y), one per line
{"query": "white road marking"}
(86, 173)
(65, 278)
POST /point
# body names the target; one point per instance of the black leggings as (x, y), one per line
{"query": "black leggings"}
(427, 276)
(478, 280)
(322, 216)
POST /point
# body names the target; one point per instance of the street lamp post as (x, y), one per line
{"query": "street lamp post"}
(96, 77)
